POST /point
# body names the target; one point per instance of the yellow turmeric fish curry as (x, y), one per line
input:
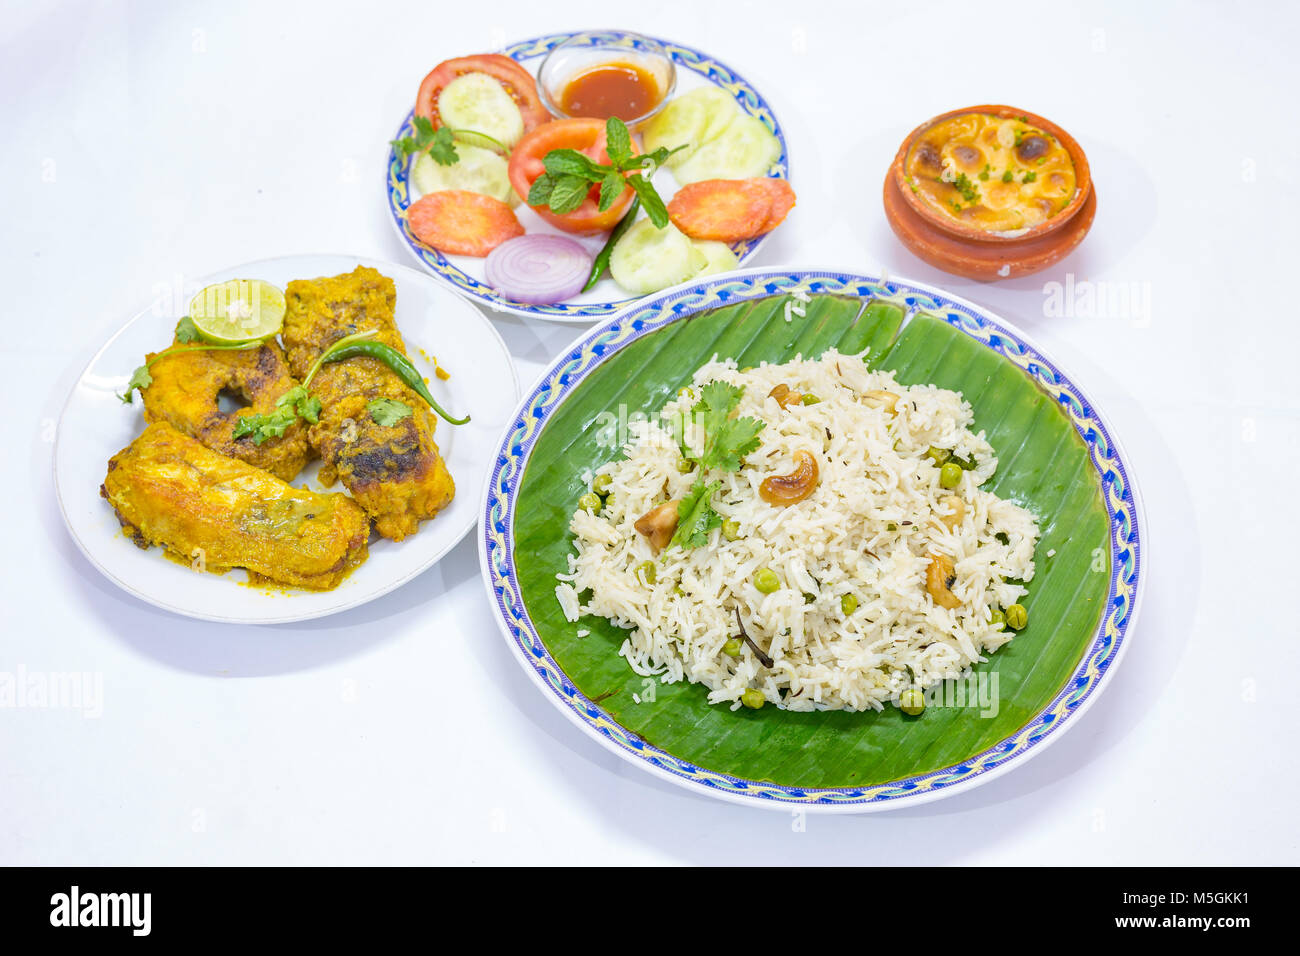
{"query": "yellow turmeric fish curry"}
(218, 513)
(394, 471)
(219, 501)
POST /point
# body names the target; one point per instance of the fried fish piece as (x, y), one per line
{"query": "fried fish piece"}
(394, 472)
(184, 392)
(172, 490)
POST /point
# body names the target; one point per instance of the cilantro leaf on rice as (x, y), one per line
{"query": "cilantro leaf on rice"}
(696, 517)
(725, 440)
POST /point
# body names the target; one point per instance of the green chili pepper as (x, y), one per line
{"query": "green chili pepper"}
(361, 345)
(602, 260)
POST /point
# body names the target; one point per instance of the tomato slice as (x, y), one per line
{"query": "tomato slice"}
(586, 136)
(517, 81)
(729, 210)
(462, 223)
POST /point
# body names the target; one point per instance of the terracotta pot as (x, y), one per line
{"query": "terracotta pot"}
(967, 250)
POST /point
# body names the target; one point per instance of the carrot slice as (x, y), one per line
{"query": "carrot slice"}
(731, 209)
(722, 209)
(462, 223)
(782, 201)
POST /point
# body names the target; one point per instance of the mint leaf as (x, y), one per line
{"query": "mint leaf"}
(618, 142)
(656, 159)
(650, 201)
(568, 193)
(388, 411)
(570, 174)
(570, 162)
(696, 517)
(539, 193)
(611, 187)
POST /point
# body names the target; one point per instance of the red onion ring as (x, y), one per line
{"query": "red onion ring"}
(539, 269)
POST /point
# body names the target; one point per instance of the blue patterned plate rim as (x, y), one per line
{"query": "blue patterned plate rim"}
(1115, 474)
(397, 180)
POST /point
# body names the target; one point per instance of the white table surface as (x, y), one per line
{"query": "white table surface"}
(150, 143)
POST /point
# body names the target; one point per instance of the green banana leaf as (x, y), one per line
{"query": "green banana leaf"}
(1043, 465)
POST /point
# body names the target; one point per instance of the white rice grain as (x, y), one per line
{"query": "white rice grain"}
(868, 530)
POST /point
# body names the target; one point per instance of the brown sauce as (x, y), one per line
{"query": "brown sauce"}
(611, 89)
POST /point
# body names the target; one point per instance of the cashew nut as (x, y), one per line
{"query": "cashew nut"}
(879, 398)
(794, 487)
(785, 396)
(658, 524)
(940, 576)
(957, 507)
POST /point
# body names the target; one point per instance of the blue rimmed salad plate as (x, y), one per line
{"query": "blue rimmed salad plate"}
(467, 274)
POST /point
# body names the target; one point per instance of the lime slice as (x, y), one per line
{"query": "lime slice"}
(240, 310)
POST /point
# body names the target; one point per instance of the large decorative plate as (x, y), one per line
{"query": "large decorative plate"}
(465, 273)
(1058, 456)
(96, 425)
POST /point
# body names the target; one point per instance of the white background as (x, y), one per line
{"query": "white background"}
(146, 144)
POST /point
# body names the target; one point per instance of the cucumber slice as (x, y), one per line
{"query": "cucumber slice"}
(718, 257)
(691, 119)
(478, 170)
(746, 148)
(647, 259)
(477, 102)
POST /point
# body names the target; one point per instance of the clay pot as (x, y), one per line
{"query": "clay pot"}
(967, 250)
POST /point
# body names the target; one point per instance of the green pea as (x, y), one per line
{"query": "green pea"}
(848, 604)
(911, 701)
(590, 502)
(753, 698)
(997, 619)
(1017, 617)
(731, 529)
(645, 572)
(810, 399)
(891, 527)
(765, 580)
(950, 475)
(685, 466)
(732, 647)
(937, 455)
(601, 484)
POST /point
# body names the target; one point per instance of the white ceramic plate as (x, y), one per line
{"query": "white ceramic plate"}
(96, 425)
(466, 273)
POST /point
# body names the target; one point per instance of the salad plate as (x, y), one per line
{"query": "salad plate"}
(1058, 457)
(466, 275)
(95, 425)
